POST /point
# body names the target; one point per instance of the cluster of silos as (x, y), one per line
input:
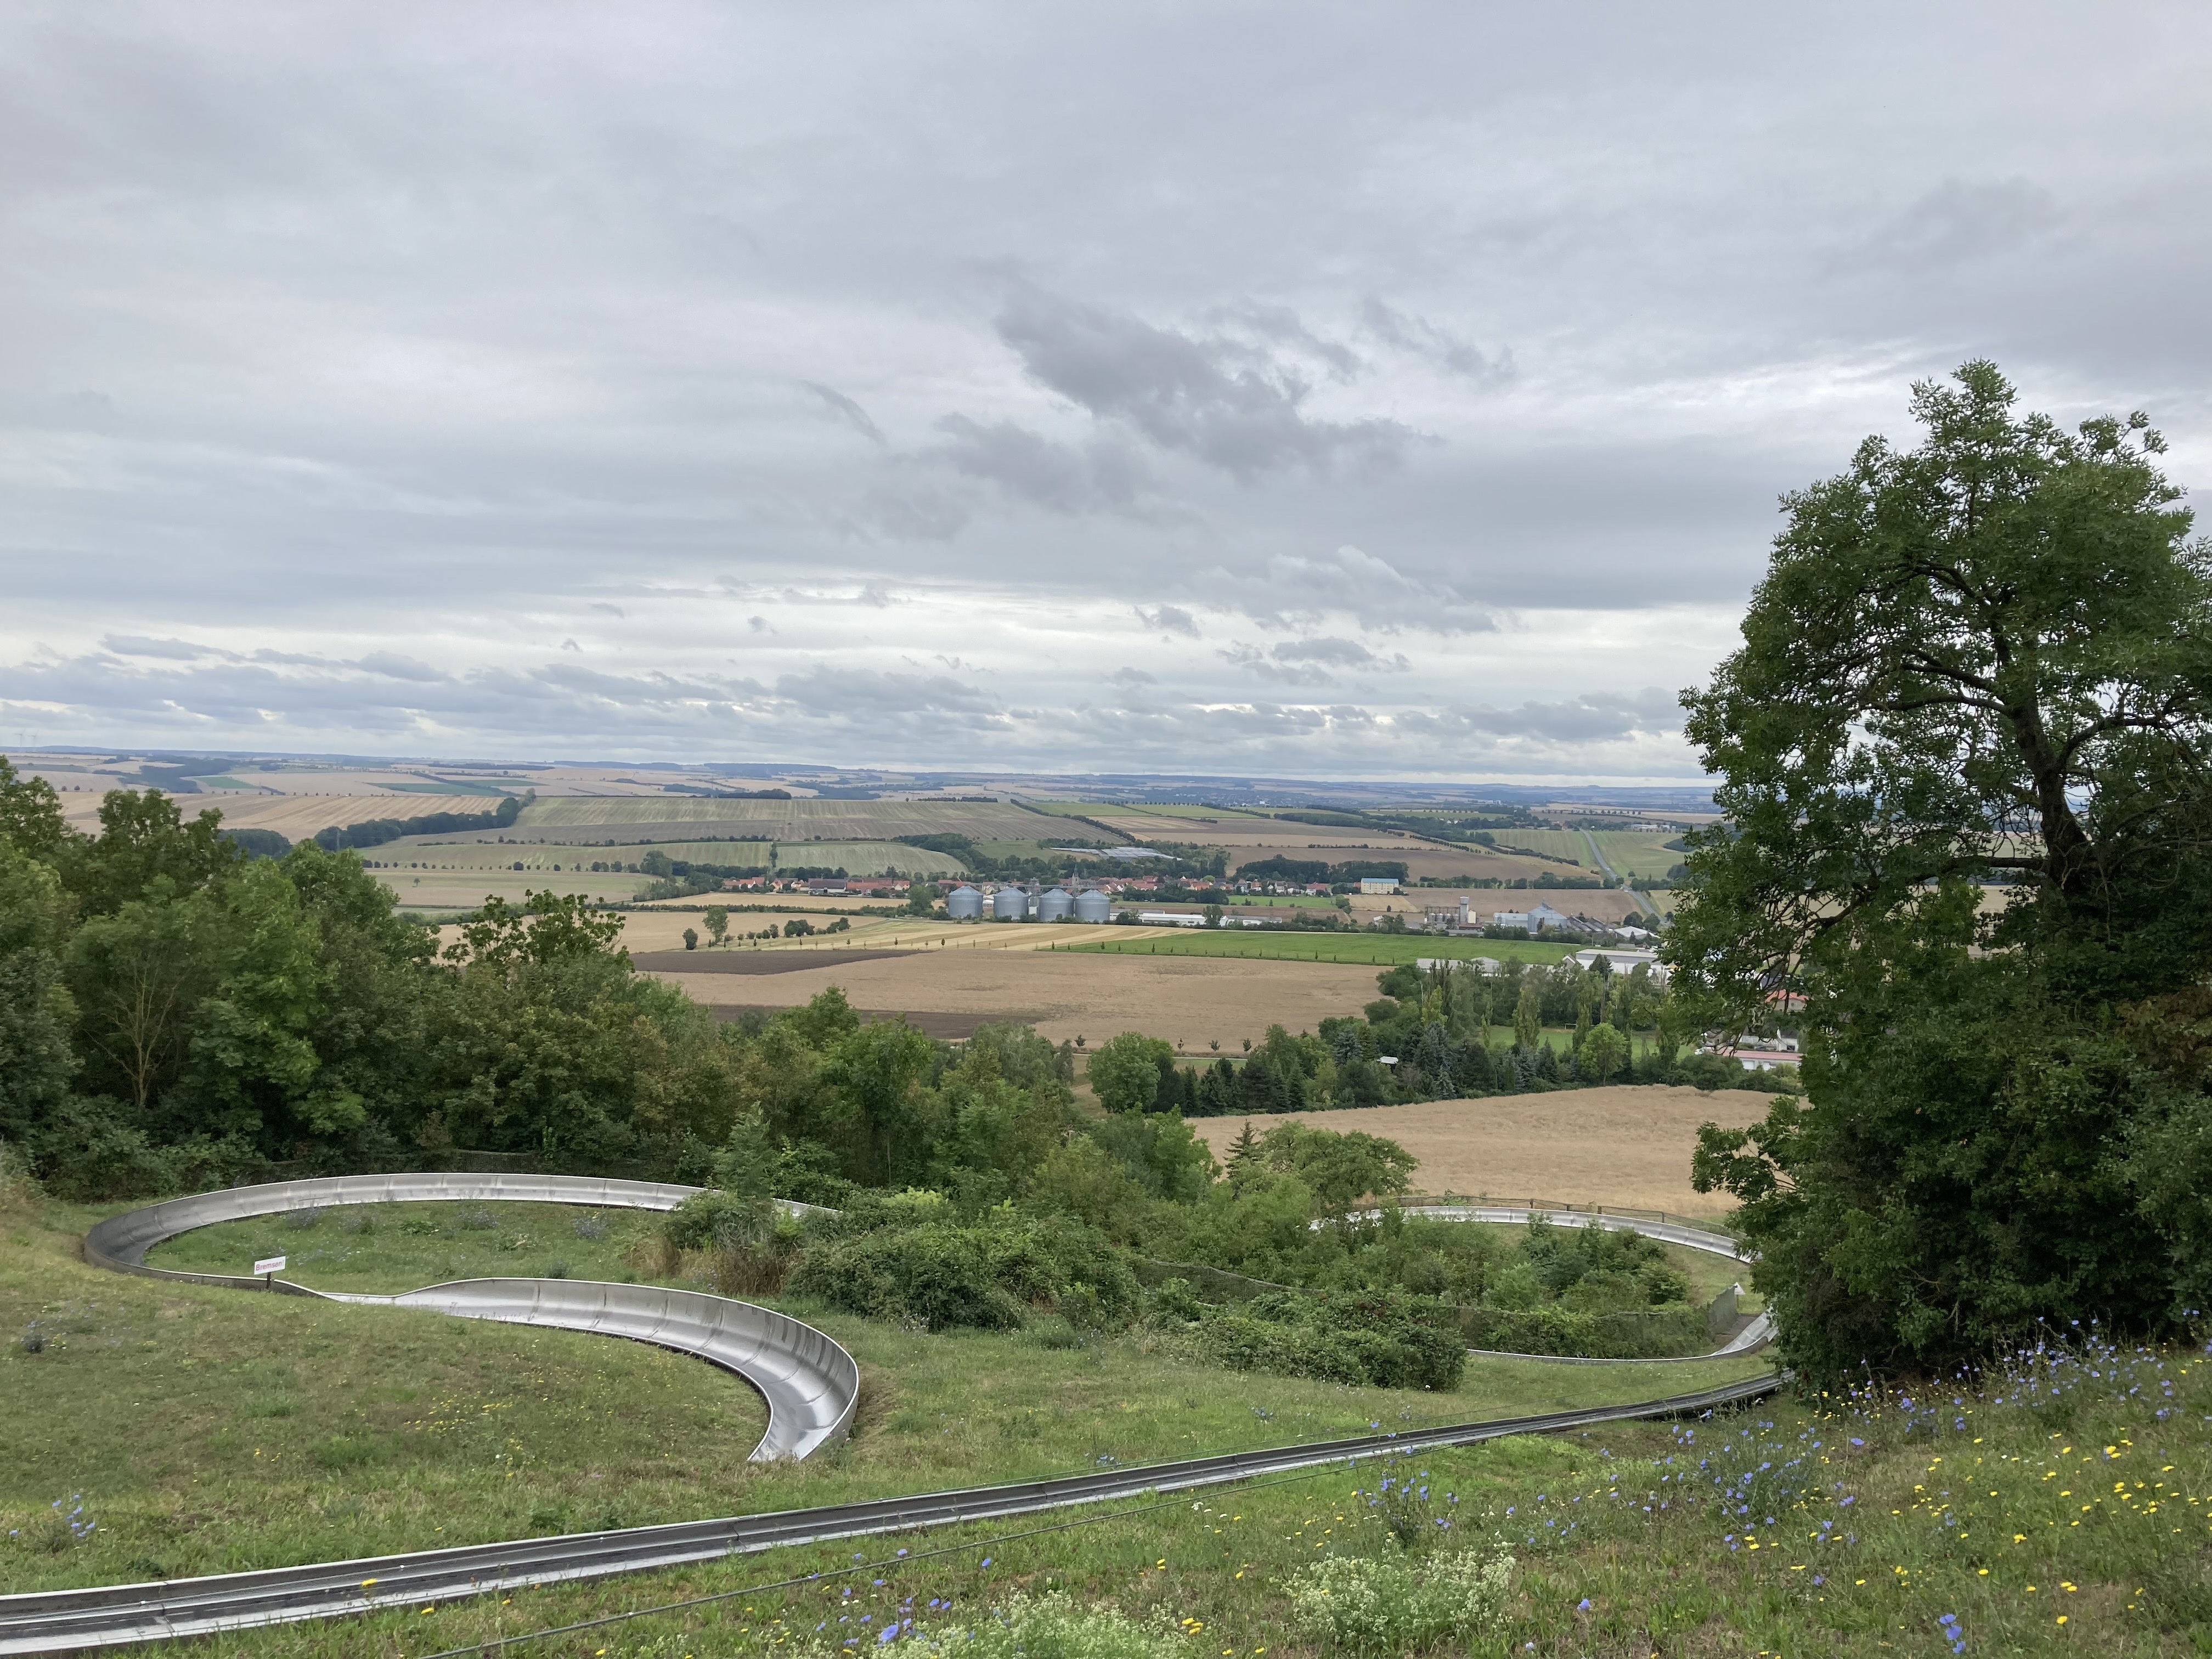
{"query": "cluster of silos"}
(1012, 903)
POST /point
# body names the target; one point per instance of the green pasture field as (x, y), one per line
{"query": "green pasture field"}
(1066, 809)
(211, 1429)
(1378, 949)
(1631, 853)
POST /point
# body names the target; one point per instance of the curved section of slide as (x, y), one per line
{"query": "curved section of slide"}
(768, 1349)
(811, 1385)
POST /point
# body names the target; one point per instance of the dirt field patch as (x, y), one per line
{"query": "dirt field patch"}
(750, 963)
(1629, 1145)
(1195, 1001)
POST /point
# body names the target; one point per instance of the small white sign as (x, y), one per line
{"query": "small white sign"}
(274, 1264)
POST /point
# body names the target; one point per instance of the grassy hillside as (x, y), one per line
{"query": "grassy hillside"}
(208, 1429)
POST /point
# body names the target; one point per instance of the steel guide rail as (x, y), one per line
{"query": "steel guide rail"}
(799, 1376)
(106, 1615)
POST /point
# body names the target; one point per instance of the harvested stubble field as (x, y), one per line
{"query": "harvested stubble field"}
(465, 890)
(1195, 1001)
(298, 817)
(788, 820)
(1629, 1145)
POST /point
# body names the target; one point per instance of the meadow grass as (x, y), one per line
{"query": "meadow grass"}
(1375, 950)
(210, 1430)
(1992, 1519)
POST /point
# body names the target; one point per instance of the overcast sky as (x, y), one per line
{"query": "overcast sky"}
(1380, 390)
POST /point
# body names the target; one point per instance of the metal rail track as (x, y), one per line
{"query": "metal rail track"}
(58, 1621)
(811, 1384)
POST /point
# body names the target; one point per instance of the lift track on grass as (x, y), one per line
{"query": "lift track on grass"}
(799, 1370)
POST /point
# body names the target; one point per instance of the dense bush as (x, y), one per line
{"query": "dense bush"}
(1388, 1340)
(942, 1275)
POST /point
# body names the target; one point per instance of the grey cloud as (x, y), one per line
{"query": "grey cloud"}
(1254, 660)
(1339, 653)
(393, 667)
(759, 625)
(1167, 619)
(1958, 221)
(1285, 326)
(1208, 398)
(875, 595)
(570, 645)
(137, 645)
(1591, 717)
(844, 409)
(1353, 582)
(1101, 475)
(1129, 678)
(1424, 339)
(612, 610)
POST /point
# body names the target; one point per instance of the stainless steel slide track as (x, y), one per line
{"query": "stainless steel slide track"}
(810, 1383)
(62, 1620)
(820, 1377)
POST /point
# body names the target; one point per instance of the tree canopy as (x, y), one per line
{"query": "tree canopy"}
(1965, 758)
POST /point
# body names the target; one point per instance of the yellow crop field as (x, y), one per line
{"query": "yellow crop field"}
(1629, 1145)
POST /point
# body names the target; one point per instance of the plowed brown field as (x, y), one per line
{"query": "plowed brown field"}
(1192, 1001)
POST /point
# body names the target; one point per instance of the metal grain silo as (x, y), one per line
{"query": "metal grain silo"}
(1093, 906)
(1010, 904)
(964, 904)
(1056, 905)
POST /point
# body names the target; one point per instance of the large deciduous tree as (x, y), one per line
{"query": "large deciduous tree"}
(1964, 755)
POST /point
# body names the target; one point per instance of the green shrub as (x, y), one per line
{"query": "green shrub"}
(1350, 1604)
(944, 1276)
(714, 1220)
(1383, 1339)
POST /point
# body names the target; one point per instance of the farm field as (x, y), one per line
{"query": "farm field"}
(788, 820)
(466, 889)
(262, 1429)
(1369, 949)
(861, 858)
(1628, 1145)
(1629, 853)
(295, 816)
(1193, 1001)
(1606, 904)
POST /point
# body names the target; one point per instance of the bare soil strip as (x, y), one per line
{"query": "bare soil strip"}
(752, 962)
